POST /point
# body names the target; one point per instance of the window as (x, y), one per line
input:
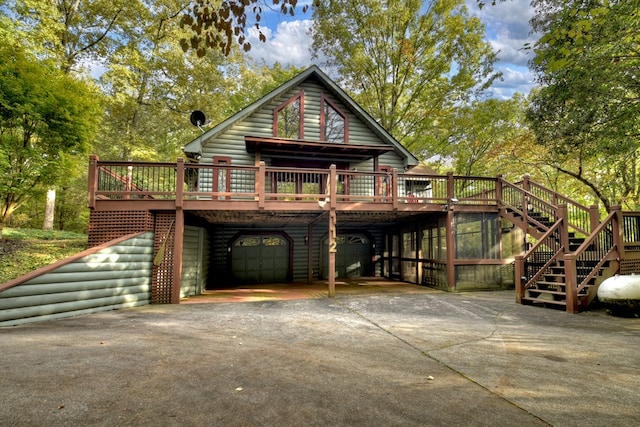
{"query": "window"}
(288, 118)
(333, 121)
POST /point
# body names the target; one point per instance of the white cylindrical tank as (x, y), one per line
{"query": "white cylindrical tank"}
(621, 294)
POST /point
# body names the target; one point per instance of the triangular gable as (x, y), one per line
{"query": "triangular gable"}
(195, 145)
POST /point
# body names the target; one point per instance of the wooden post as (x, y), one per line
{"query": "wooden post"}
(519, 274)
(451, 249)
(617, 224)
(333, 248)
(594, 217)
(93, 181)
(450, 187)
(260, 184)
(179, 183)
(571, 283)
(177, 255)
(309, 240)
(394, 188)
(333, 244)
(499, 202)
(563, 214)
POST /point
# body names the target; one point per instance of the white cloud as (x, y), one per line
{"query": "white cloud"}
(289, 44)
(508, 31)
(507, 28)
(513, 80)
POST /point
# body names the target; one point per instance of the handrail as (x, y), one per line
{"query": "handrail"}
(602, 243)
(528, 202)
(582, 219)
(524, 278)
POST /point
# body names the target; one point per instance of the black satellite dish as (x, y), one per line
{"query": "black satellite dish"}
(197, 118)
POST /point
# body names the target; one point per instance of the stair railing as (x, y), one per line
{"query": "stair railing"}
(581, 219)
(523, 202)
(530, 266)
(602, 245)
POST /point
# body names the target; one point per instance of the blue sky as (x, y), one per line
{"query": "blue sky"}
(507, 27)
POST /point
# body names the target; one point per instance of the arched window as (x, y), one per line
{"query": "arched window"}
(333, 122)
(288, 118)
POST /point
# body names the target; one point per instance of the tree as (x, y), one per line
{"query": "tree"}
(215, 25)
(72, 34)
(46, 119)
(483, 136)
(406, 63)
(586, 113)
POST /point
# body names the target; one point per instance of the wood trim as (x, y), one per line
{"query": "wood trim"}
(300, 96)
(323, 130)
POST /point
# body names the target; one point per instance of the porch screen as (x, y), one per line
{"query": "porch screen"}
(477, 236)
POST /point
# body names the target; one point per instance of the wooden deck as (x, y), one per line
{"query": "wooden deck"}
(117, 186)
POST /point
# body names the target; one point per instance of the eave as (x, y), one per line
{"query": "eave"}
(314, 149)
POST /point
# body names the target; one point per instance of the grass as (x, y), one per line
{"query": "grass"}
(24, 250)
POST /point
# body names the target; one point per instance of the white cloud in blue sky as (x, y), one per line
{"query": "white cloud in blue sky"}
(507, 24)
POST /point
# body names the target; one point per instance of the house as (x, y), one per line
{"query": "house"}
(303, 185)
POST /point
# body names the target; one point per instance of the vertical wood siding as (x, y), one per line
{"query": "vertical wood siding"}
(114, 277)
(194, 261)
(222, 235)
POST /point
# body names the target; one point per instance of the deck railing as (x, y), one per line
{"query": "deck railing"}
(187, 181)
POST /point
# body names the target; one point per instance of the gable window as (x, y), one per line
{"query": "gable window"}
(334, 122)
(288, 118)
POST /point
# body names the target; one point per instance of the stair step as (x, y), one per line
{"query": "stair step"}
(544, 301)
(547, 291)
(546, 283)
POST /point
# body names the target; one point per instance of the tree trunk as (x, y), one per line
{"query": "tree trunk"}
(49, 209)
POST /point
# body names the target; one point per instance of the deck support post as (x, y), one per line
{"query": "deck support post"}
(520, 278)
(451, 250)
(308, 241)
(178, 236)
(571, 283)
(333, 244)
(177, 256)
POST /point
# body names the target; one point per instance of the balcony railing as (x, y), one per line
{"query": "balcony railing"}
(184, 182)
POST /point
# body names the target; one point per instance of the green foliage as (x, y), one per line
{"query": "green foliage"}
(215, 25)
(587, 112)
(409, 66)
(46, 119)
(25, 250)
(481, 142)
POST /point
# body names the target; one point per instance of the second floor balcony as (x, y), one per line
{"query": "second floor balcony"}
(193, 186)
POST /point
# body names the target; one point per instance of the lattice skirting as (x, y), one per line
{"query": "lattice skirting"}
(162, 280)
(630, 266)
(105, 226)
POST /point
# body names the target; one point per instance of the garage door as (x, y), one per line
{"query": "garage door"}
(260, 259)
(353, 256)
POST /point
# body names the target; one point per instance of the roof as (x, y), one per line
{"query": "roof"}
(313, 71)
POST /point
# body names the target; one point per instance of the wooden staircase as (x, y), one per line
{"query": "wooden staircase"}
(573, 251)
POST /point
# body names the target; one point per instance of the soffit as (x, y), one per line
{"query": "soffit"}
(314, 149)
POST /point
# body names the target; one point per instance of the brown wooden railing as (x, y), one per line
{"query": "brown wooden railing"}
(187, 181)
(581, 219)
(601, 246)
(530, 266)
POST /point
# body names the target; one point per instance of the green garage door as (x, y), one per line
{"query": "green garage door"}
(260, 259)
(353, 256)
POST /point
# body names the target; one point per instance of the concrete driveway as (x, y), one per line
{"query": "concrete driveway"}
(410, 359)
